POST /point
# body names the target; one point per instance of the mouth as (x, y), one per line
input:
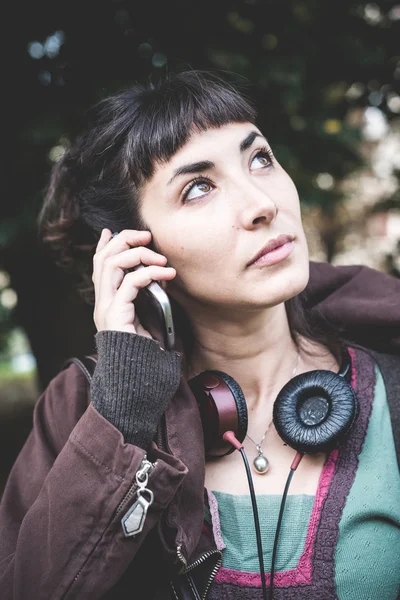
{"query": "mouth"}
(274, 251)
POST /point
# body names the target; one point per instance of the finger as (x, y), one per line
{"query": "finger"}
(137, 280)
(125, 240)
(111, 244)
(140, 330)
(131, 283)
(111, 273)
(133, 257)
(104, 239)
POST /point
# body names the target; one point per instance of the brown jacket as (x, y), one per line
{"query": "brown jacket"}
(60, 515)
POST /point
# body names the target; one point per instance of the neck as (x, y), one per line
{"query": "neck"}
(257, 351)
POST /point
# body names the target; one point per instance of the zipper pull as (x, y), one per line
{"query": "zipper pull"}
(145, 467)
(133, 521)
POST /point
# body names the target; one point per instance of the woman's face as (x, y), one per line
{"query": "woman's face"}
(210, 223)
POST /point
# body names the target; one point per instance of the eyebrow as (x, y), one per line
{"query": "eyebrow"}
(205, 165)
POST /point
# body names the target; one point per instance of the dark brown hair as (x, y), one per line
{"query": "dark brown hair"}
(98, 180)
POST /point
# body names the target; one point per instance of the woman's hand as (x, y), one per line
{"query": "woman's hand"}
(116, 291)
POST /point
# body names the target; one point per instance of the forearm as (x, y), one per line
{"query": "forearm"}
(133, 381)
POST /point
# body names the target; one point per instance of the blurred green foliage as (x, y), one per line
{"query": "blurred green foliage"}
(307, 63)
(300, 59)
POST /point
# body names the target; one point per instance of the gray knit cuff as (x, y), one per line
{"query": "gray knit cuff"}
(132, 383)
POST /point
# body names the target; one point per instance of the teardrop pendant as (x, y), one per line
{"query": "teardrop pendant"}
(261, 464)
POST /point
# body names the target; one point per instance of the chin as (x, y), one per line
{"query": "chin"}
(289, 283)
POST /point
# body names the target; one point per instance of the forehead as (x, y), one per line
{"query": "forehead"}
(206, 145)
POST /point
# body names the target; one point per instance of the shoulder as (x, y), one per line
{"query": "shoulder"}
(326, 277)
(388, 362)
(62, 404)
(388, 366)
(356, 281)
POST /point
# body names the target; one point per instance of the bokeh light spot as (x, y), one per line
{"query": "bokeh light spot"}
(56, 153)
(159, 59)
(8, 298)
(324, 181)
(36, 50)
(332, 126)
(393, 102)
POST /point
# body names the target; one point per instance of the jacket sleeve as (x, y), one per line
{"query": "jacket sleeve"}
(74, 479)
(362, 301)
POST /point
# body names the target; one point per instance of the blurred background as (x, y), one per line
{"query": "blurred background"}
(325, 74)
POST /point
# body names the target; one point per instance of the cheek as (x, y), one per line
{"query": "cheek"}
(287, 189)
(198, 255)
(185, 250)
(195, 256)
(194, 243)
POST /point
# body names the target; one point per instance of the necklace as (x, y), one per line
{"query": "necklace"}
(261, 463)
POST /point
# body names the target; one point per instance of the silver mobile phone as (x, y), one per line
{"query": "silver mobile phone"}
(159, 317)
(154, 295)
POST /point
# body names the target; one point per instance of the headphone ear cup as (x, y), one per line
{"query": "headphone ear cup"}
(240, 403)
(314, 411)
(222, 407)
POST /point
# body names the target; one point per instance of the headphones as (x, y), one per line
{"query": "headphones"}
(312, 413)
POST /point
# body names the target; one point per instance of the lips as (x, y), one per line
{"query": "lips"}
(282, 239)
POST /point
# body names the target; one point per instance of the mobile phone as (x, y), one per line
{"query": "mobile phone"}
(157, 298)
(158, 318)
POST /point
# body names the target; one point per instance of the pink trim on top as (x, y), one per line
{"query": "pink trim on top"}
(302, 573)
(216, 525)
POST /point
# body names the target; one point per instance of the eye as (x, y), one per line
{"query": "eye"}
(197, 182)
(204, 184)
(265, 156)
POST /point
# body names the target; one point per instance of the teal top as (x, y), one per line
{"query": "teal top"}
(237, 529)
(367, 552)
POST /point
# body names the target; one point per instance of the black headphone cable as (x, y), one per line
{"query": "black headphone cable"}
(230, 437)
(256, 523)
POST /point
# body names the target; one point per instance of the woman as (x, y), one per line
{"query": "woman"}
(185, 176)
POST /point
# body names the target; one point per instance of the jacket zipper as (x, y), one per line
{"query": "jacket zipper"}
(198, 562)
(160, 443)
(146, 467)
(163, 445)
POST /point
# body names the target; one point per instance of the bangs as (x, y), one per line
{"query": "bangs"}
(168, 112)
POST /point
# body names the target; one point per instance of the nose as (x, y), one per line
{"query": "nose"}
(256, 206)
